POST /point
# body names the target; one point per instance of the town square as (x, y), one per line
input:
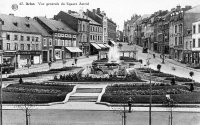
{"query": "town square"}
(92, 64)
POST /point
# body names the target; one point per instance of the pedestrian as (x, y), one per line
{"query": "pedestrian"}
(20, 80)
(75, 61)
(154, 56)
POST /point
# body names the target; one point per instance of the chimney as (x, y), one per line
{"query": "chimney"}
(94, 11)
(178, 7)
(188, 7)
(27, 17)
(98, 10)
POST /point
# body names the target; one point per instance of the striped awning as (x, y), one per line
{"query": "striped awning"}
(95, 46)
(102, 46)
(74, 49)
(107, 45)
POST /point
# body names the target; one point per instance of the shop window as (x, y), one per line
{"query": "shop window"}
(8, 36)
(33, 38)
(8, 46)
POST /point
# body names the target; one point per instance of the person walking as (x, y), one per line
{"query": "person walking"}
(75, 61)
(154, 56)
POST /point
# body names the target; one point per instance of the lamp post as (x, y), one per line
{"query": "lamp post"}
(124, 111)
(1, 62)
(170, 103)
(150, 86)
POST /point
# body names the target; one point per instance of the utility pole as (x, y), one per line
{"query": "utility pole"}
(163, 45)
(150, 87)
(1, 54)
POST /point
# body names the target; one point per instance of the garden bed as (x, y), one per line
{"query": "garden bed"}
(180, 79)
(36, 74)
(141, 93)
(112, 78)
(35, 93)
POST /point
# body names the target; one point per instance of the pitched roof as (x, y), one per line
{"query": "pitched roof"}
(56, 25)
(91, 20)
(195, 9)
(40, 29)
(18, 24)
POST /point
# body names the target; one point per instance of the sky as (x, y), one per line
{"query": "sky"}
(118, 10)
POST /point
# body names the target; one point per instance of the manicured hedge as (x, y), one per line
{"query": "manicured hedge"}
(35, 74)
(20, 93)
(191, 98)
(180, 79)
(140, 94)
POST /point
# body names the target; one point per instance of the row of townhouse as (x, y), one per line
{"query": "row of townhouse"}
(26, 40)
(173, 32)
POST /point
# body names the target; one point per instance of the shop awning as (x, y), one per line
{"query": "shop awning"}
(107, 45)
(74, 49)
(95, 46)
(102, 46)
(112, 42)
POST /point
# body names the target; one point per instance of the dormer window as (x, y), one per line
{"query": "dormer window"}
(27, 25)
(15, 23)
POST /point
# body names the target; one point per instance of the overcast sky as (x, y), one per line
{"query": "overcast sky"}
(118, 10)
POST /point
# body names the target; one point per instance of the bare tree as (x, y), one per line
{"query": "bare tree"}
(26, 103)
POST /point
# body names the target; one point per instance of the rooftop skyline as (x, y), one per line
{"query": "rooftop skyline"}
(119, 11)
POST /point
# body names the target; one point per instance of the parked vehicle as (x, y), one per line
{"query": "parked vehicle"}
(7, 68)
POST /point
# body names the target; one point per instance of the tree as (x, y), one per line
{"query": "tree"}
(159, 67)
(120, 45)
(26, 103)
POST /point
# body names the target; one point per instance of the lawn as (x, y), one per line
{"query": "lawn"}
(35, 93)
(141, 94)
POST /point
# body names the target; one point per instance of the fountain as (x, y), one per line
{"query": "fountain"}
(113, 66)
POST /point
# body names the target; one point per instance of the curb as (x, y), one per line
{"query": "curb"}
(101, 94)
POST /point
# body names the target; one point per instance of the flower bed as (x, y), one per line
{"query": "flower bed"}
(112, 78)
(7, 79)
(35, 74)
(141, 93)
(41, 93)
(162, 75)
(180, 79)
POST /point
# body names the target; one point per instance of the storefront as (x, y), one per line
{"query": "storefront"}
(28, 57)
(72, 52)
(9, 57)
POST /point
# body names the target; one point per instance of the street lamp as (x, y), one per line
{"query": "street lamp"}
(124, 110)
(170, 103)
(150, 86)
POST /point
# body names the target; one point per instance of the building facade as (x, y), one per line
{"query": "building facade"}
(196, 43)
(79, 23)
(21, 41)
(64, 39)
